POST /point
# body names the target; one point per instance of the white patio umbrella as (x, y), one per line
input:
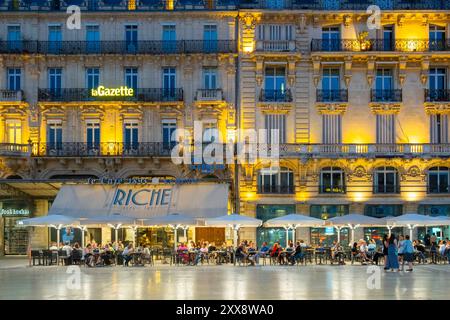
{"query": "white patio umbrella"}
(442, 220)
(293, 221)
(353, 221)
(235, 221)
(115, 221)
(412, 220)
(173, 220)
(54, 221)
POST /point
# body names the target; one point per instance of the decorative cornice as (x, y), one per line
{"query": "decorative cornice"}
(385, 108)
(331, 107)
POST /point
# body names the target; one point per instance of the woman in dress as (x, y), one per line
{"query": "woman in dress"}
(385, 251)
(392, 253)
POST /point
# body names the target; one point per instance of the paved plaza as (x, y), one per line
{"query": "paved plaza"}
(18, 281)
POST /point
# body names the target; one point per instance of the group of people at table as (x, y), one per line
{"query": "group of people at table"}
(396, 251)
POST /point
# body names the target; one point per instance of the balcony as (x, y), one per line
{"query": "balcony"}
(117, 47)
(276, 189)
(84, 94)
(275, 95)
(353, 151)
(332, 189)
(437, 95)
(438, 189)
(386, 96)
(332, 95)
(378, 45)
(275, 46)
(14, 150)
(11, 95)
(386, 189)
(104, 149)
(333, 5)
(209, 95)
(117, 5)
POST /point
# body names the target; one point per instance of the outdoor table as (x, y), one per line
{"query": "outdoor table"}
(319, 252)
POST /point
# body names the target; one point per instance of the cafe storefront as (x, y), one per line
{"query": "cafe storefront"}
(15, 239)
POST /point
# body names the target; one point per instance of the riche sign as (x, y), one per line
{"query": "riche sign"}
(146, 197)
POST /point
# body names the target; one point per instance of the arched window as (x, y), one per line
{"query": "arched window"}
(332, 180)
(276, 180)
(386, 180)
(438, 180)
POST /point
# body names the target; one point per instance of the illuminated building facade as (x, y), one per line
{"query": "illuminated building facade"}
(362, 113)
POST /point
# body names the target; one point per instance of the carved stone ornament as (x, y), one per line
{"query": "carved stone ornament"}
(414, 171)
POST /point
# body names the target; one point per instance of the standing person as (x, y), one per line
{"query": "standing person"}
(392, 253)
(433, 239)
(408, 253)
(400, 250)
(385, 251)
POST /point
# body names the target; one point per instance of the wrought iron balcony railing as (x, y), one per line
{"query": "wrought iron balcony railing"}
(11, 95)
(394, 95)
(438, 189)
(276, 189)
(84, 94)
(209, 95)
(332, 95)
(335, 188)
(117, 5)
(15, 150)
(117, 47)
(437, 95)
(275, 95)
(83, 149)
(371, 45)
(386, 188)
(275, 46)
(333, 5)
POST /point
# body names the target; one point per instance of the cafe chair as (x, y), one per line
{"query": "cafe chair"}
(37, 255)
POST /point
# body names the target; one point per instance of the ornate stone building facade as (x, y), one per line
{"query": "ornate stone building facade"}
(362, 111)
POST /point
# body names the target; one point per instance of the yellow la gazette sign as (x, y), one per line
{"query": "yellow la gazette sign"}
(122, 91)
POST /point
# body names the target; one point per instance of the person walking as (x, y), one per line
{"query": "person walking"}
(392, 254)
(385, 250)
(400, 250)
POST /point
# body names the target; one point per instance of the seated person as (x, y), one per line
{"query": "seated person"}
(146, 254)
(363, 252)
(128, 254)
(337, 252)
(201, 254)
(88, 257)
(297, 254)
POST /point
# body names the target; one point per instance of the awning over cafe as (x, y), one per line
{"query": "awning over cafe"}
(201, 200)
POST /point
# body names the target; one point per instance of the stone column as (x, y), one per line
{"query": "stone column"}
(40, 236)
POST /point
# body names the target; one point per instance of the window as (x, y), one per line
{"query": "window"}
(273, 32)
(275, 4)
(14, 131)
(275, 125)
(330, 84)
(14, 79)
(169, 82)
(93, 38)
(168, 128)
(169, 37)
(54, 39)
(209, 78)
(326, 236)
(386, 180)
(131, 78)
(437, 84)
(385, 126)
(55, 80)
(131, 37)
(278, 180)
(384, 85)
(14, 38)
(331, 129)
(210, 38)
(331, 39)
(271, 235)
(93, 135)
(92, 78)
(437, 37)
(388, 38)
(438, 180)
(54, 135)
(438, 128)
(274, 84)
(332, 180)
(131, 135)
(210, 132)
